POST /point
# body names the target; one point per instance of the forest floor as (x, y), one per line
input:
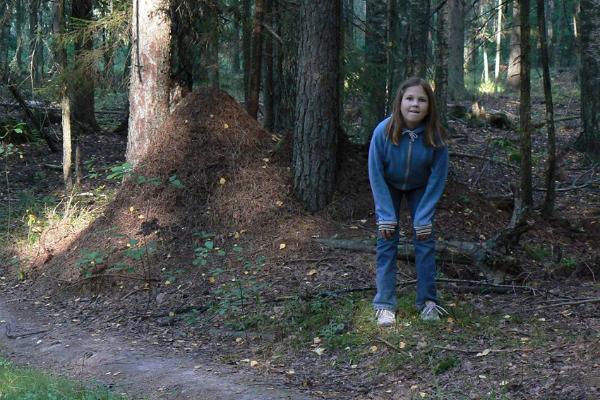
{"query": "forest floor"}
(202, 259)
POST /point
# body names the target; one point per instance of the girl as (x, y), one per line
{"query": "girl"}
(408, 158)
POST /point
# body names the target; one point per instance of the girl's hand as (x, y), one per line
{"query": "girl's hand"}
(387, 234)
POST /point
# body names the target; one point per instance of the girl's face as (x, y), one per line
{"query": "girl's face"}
(414, 106)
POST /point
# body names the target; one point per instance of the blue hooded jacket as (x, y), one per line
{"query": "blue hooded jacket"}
(409, 165)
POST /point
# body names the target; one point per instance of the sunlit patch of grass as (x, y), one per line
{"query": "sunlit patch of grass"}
(25, 383)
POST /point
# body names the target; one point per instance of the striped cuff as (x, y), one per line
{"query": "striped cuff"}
(423, 230)
(386, 225)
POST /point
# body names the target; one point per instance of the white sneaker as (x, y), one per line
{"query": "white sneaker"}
(432, 312)
(385, 317)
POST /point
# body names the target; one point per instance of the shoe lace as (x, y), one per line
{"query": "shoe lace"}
(431, 307)
(384, 314)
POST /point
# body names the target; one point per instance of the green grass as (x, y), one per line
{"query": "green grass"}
(29, 384)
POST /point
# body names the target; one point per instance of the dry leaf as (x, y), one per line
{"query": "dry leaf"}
(211, 279)
(279, 203)
(317, 340)
(253, 363)
(281, 246)
(483, 353)
(373, 349)
(226, 126)
(222, 181)
(319, 350)
(311, 272)
(402, 345)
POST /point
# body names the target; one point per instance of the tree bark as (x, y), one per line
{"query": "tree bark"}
(375, 64)
(5, 21)
(35, 43)
(246, 43)
(268, 91)
(441, 63)
(589, 141)
(525, 106)
(255, 60)
(513, 77)
(548, 207)
(318, 104)
(19, 34)
(456, 53)
(392, 54)
(213, 45)
(417, 58)
(498, 42)
(150, 75)
(82, 92)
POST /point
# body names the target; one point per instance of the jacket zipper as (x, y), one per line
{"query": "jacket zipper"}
(409, 153)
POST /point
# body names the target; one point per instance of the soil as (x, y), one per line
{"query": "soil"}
(216, 182)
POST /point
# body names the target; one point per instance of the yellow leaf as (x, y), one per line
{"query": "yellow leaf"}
(311, 272)
(373, 349)
(211, 279)
(483, 353)
(222, 181)
(279, 203)
(253, 363)
(402, 345)
(281, 246)
(131, 209)
(225, 126)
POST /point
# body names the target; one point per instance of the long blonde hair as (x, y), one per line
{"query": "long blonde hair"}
(435, 134)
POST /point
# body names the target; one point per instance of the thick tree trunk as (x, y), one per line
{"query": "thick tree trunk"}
(548, 207)
(318, 103)
(236, 64)
(513, 77)
(150, 75)
(456, 53)
(82, 92)
(589, 141)
(182, 42)
(375, 64)
(441, 63)
(19, 34)
(255, 60)
(525, 106)
(5, 21)
(212, 66)
(392, 53)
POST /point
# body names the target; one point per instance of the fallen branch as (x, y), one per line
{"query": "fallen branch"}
(387, 343)
(570, 303)
(482, 352)
(467, 155)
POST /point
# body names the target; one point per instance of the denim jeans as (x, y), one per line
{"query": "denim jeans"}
(386, 264)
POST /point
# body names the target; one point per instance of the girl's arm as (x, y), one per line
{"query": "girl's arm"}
(433, 192)
(384, 206)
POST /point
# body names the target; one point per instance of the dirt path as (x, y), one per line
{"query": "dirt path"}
(29, 337)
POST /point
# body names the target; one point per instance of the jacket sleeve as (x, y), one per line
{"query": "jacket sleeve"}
(433, 191)
(384, 206)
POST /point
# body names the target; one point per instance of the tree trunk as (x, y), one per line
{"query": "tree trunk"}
(513, 77)
(82, 92)
(35, 43)
(486, 66)
(550, 32)
(317, 126)
(286, 65)
(246, 43)
(150, 75)
(256, 60)
(456, 53)
(392, 54)
(375, 64)
(182, 42)
(548, 207)
(348, 14)
(5, 21)
(498, 43)
(213, 46)
(589, 141)
(525, 107)
(236, 64)
(417, 57)
(441, 63)
(269, 118)
(19, 34)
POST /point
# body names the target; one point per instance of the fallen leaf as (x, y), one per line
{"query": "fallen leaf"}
(373, 349)
(483, 353)
(311, 272)
(402, 345)
(226, 126)
(211, 279)
(222, 181)
(253, 363)
(279, 203)
(319, 350)
(317, 340)
(281, 246)
(291, 372)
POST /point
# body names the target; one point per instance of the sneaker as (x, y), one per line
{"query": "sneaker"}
(385, 317)
(432, 312)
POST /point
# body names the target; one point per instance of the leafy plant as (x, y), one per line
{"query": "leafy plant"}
(88, 260)
(120, 172)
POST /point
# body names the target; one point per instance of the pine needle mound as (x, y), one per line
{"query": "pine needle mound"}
(211, 169)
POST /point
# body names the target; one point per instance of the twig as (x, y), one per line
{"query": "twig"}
(570, 303)
(469, 351)
(315, 260)
(382, 340)
(273, 33)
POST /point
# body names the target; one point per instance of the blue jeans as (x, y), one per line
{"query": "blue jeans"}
(387, 251)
